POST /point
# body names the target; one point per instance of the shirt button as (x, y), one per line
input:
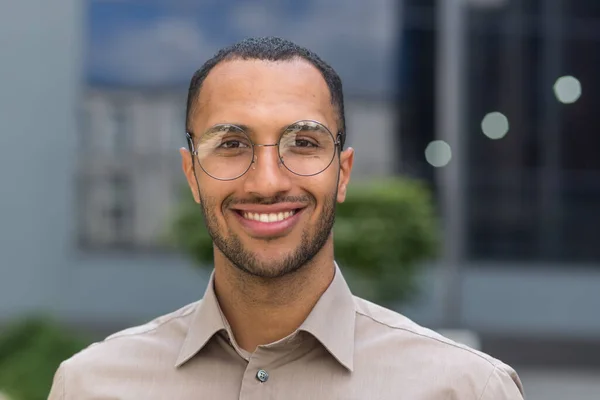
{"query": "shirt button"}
(262, 375)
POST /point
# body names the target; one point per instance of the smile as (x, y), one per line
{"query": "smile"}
(270, 217)
(269, 221)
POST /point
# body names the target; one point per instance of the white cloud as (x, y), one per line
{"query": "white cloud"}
(156, 52)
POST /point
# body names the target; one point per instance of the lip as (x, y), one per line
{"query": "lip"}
(267, 209)
(266, 230)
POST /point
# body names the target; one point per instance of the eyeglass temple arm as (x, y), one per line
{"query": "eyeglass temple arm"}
(190, 142)
(340, 139)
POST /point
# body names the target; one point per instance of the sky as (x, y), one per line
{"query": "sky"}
(162, 42)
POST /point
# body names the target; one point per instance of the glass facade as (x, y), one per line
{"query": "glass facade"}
(534, 194)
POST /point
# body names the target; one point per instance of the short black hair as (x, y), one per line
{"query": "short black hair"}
(270, 49)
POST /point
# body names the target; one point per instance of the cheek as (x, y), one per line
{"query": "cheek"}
(212, 195)
(323, 189)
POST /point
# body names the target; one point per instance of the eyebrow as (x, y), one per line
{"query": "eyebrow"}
(250, 131)
(245, 128)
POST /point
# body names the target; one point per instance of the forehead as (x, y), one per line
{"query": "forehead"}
(257, 92)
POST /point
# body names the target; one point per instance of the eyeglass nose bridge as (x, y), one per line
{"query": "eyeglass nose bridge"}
(255, 156)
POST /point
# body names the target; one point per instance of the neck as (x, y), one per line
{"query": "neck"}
(262, 311)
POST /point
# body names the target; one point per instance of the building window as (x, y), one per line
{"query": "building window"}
(129, 172)
(533, 194)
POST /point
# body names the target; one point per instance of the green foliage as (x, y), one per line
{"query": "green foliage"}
(190, 233)
(383, 231)
(30, 353)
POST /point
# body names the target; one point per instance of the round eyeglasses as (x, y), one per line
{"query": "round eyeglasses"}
(225, 152)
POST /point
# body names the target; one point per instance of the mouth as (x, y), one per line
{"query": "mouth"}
(268, 217)
(268, 225)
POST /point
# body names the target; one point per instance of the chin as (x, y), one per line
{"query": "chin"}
(270, 270)
(272, 262)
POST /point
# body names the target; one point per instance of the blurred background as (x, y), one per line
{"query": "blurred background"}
(491, 105)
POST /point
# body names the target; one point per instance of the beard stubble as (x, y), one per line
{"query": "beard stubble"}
(246, 260)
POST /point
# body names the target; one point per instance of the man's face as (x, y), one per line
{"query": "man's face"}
(266, 97)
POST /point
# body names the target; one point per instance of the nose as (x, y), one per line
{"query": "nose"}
(267, 177)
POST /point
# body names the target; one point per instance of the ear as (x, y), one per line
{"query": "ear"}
(346, 162)
(187, 164)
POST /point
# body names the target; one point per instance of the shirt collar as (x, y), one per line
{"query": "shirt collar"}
(206, 321)
(331, 322)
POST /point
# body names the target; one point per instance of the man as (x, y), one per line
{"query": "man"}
(267, 165)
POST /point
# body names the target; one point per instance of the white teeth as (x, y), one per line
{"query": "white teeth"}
(272, 217)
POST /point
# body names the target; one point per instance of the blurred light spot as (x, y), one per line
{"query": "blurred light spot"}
(495, 125)
(567, 89)
(438, 153)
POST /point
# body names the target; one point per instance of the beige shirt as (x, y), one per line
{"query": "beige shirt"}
(347, 349)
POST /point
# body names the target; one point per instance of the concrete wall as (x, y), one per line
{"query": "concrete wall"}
(518, 300)
(39, 76)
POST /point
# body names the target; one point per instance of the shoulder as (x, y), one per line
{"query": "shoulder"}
(123, 358)
(157, 341)
(394, 328)
(173, 325)
(404, 342)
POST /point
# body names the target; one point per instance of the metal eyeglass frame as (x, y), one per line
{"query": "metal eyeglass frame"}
(336, 140)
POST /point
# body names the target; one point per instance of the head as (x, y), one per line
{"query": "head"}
(268, 222)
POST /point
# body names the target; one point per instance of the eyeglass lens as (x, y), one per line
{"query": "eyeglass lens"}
(226, 152)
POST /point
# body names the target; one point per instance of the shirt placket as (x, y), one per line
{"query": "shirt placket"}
(262, 378)
(259, 375)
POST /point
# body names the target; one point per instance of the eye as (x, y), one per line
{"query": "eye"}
(304, 143)
(233, 144)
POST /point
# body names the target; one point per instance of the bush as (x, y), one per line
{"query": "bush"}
(383, 231)
(30, 353)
